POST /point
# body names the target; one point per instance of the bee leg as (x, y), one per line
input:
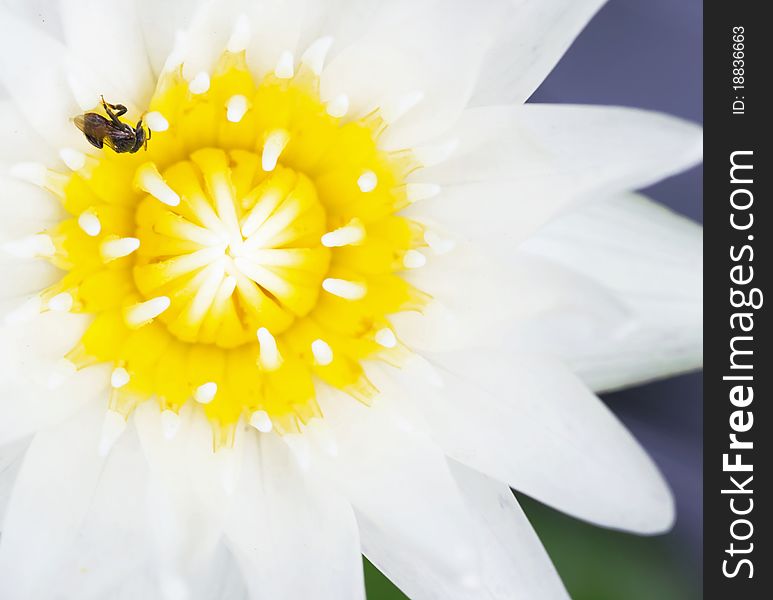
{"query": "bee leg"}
(120, 110)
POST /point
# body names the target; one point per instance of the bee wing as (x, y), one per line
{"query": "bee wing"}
(92, 124)
(94, 127)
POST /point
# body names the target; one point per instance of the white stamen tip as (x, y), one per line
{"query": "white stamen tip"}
(413, 259)
(31, 246)
(112, 428)
(205, 393)
(149, 180)
(142, 313)
(90, 223)
(30, 172)
(24, 313)
(392, 111)
(314, 57)
(236, 108)
(261, 421)
(200, 83)
(170, 423)
(367, 182)
(285, 67)
(62, 371)
(338, 106)
(119, 377)
(439, 245)
(270, 359)
(322, 352)
(348, 290)
(421, 191)
(74, 159)
(240, 36)
(429, 156)
(115, 248)
(353, 233)
(61, 302)
(386, 338)
(156, 121)
(275, 143)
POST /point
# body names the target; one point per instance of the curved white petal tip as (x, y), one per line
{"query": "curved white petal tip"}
(31, 172)
(24, 312)
(392, 111)
(31, 246)
(421, 191)
(240, 36)
(60, 373)
(314, 57)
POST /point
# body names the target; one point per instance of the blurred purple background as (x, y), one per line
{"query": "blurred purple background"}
(648, 54)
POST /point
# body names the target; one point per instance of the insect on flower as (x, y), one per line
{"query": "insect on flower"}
(119, 136)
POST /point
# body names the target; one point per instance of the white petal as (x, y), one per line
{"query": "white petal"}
(475, 298)
(650, 260)
(428, 48)
(22, 142)
(41, 387)
(274, 512)
(531, 41)
(122, 64)
(184, 521)
(160, 21)
(113, 540)
(525, 164)
(44, 99)
(514, 563)
(11, 456)
(532, 424)
(398, 481)
(50, 499)
(516, 559)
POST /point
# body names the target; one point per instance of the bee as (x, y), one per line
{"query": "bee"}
(117, 135)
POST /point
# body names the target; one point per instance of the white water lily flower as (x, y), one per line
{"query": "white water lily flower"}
(353, 259)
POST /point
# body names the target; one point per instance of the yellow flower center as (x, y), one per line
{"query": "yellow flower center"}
(253, 248)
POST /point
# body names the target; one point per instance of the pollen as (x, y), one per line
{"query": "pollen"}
(254, 249)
